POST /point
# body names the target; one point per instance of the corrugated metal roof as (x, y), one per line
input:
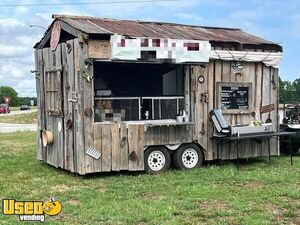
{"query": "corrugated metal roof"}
(94, 25)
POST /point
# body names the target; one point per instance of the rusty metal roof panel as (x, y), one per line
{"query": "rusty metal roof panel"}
(85, 26)
(94, 25)
(122, 27)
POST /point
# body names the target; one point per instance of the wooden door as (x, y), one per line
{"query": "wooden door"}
(53, 111)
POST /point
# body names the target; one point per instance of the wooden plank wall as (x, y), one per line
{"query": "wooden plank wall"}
(99, 49)
(78, 109)
(68, 89)
(265, 92)
(200, 105)
(39, 67)
(121, 147)
(52, 82)
(169, 135)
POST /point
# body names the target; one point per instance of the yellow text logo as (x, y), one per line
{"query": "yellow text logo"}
(31, 210)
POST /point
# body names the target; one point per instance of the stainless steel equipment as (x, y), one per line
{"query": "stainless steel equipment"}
(240, 130)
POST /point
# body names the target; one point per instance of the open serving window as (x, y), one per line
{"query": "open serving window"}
(138, 91)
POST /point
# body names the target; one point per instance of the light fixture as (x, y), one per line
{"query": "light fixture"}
(237, 67)
(32, 25)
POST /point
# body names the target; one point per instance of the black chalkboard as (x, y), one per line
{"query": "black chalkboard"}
(234, 97)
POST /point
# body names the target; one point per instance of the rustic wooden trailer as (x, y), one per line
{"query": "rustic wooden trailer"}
(109, 93)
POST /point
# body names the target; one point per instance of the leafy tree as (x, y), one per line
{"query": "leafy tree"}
(27, 100)
(289, 92)
(296, 90)
(9, 91)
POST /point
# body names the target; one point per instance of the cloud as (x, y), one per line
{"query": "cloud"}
(10, 22)
(9, 50)
(9, 69)
(21, 10)
(25, 88)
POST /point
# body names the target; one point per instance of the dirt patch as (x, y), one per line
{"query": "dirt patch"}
(253, 185)
(101, 189)
(73, 202)
(218, 211)
(249, 185)
(291, 201)
(296, 219)
(61, 188)
(65, 188)
(277, 212)
(64, 217)
(152, 196)
(142, 223)
(219, 205)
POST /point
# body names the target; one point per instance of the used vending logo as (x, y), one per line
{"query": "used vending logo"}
(31, 210)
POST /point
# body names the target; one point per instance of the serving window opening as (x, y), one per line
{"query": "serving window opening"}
(138, 91)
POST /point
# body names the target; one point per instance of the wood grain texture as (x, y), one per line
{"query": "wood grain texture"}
(38, 68)
(116, 149)
(78, 112)
(99, 49)
(135, 147)
(123, 145)
(98, 143)
(106, 159)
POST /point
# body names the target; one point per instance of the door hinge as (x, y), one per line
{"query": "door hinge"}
(204, 97)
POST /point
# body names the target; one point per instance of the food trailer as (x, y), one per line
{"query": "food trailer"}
(134, 95)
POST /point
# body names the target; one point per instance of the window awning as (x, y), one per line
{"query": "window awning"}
(268, 58)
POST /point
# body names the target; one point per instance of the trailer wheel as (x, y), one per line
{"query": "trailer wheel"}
(188, 156)
(157, 160)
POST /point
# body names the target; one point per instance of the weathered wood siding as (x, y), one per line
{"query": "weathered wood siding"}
(169, 135)
(49, 95)
(122, 145)
(39, 67)
(68, 90)
(264, 83)
(99, 49)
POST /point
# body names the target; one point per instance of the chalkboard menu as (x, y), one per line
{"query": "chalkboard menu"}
(235, 97)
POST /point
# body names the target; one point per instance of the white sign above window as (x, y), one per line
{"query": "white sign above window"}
(151, 49)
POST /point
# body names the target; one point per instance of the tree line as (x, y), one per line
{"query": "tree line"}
(15, 99)
(289, 92)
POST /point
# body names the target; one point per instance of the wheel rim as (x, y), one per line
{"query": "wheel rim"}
(156, 160)
(190, 158)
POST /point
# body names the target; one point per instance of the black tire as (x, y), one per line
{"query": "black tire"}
(161, 160)
(192, 151)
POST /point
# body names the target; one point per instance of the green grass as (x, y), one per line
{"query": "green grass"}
(19, 118)
(260, 193)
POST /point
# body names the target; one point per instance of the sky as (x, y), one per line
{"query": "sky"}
(274, 20)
